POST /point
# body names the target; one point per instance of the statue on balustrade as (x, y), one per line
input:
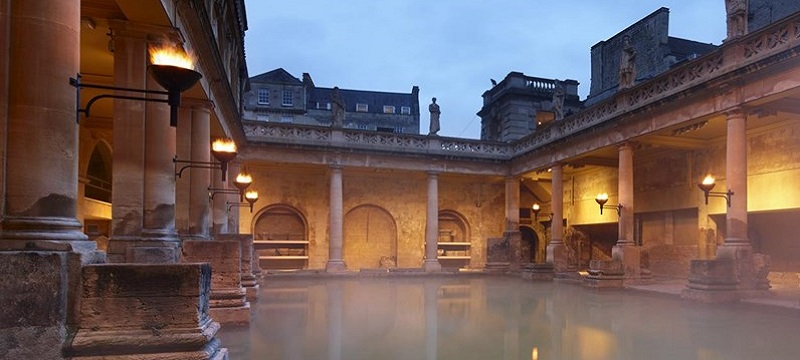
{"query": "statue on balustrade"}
(627, 64)
(337, 108)
(737, 18)
(435, 112)
(558, 100)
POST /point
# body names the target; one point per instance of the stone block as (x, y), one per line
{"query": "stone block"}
(152, 255)
(34, 304)
(228, 303)
(715, 274)
(497, 250)
(146, 311)
(539, 272)
(248, 259)
(605, 274)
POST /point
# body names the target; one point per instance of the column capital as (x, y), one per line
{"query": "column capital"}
(198, 104)
(736, 112)
(433, 173)
(149, 32)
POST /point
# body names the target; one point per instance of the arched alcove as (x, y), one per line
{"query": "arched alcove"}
(280, 237)
(454, 247)
(370, 238)
(529, 245)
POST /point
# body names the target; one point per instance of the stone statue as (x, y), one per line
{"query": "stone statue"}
(434, 109)
(337, 108)
(627, 64)
(736, 18)
(558, 100)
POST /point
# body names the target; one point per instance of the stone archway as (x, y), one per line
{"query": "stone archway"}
(370, 238)
(281, 238)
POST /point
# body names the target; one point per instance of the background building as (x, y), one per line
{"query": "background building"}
(277, 96)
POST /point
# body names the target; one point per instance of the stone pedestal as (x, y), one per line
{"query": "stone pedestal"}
(605, 274)
(514, 240)
(497, 260)
(630, 257)
(248, 275)
(539, 272)
(712, 281)
(228, 303)
(146, 312)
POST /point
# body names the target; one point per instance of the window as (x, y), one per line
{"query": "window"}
(263, 96)
(288, 100)
(323, 106)
(363, 127)
(405, 110)
(360, 107)
(287, 119)
(388, 109)
(399, 129)
(262, 117)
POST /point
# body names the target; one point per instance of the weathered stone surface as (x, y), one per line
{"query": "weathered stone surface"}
(133, 311)
(605, 274)
(34, 304)
(497, 250)
(228, 303)
(248, 259)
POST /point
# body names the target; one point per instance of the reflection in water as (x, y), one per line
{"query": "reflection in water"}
(496, 318)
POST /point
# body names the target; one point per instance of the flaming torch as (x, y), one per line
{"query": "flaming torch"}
(172, 68)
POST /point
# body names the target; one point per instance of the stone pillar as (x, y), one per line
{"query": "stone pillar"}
(130, 58)
(557, 252)
(335, 232)
(512, 234)
(431, 262)
(227, 303)
(736, 238)
(41, 184)
(143, 201)
(232, 211)
(183, 151)
(220, 211)
(512, 203)
(248, 259)
(200, 179)
(146, 311)
(626, 250)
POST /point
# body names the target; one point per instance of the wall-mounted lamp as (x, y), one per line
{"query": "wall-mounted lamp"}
(224, 150)
(251, 196)
(242, 182)
(602, 199)
(170, 67)
(536, 209)
(708, 184)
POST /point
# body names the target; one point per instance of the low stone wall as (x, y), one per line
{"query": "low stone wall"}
(138, 311)
(228, 303)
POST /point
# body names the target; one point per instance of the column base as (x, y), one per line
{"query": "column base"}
(630, 257)
(605, 274)
(143, 250)
(558, 256)
(335, 266)
(432, 265)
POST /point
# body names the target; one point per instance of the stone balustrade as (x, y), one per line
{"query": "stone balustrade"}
(728, 62)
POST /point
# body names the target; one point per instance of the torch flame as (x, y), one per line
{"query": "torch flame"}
(251, 195)
(170, 55)
(708, 180)
(244, 178)
(223, 145)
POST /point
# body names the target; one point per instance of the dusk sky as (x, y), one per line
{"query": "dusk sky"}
(450, 49)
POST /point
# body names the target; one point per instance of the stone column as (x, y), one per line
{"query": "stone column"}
(556, 250)
(183, 151)
(232, 212)
(512, 203)
(200, 179)
(736, 239)
(626, 250)
(335, 260)
(41, 184)
(431, 262)
(220, 211)
(130, 58)
(159, 174)
(512, 235)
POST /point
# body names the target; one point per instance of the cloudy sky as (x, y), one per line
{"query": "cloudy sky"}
(450, 49)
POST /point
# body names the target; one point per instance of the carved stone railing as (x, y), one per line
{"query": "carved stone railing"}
(729, 59)
(267, 132)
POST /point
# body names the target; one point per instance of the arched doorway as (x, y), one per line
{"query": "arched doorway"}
(95, 206)
(281, 238)
(530, 244)
(370, 238)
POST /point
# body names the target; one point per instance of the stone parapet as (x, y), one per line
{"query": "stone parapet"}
(146, 311)
(249, 275)
(228, 303)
